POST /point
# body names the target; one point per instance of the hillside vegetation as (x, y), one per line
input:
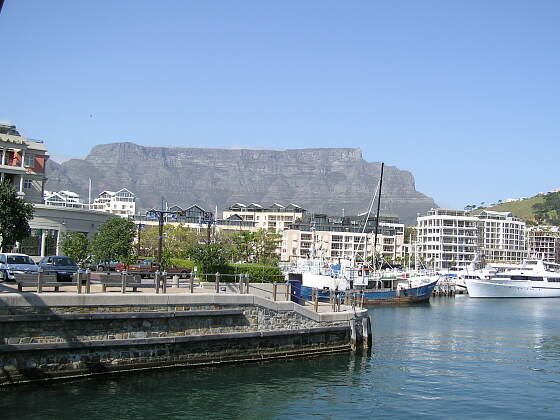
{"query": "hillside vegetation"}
(542, 209)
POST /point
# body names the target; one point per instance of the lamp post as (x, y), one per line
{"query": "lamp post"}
(161, 214)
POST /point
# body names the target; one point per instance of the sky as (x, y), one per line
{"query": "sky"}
(464, 94)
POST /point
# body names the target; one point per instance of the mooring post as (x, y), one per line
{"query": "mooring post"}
(366, 333)
(191, 283)
(176, 279)
(240, 283)
(88, 281)
(274, 290)
(156, 281)
(217, 282)
(246, 283)
(164, 282)
(316, 299)
(40, 280)
(78, 277)
(123, 282)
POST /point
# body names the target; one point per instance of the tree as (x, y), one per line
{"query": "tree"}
(212, 258)
(113, 241)
(75, 245)
(15, 215)
(258, 247)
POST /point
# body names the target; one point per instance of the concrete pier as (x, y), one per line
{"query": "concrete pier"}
(51, 336)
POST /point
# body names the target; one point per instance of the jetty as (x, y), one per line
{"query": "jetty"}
(115, 324)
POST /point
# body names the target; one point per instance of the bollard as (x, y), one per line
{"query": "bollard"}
(78, 277)
(274, 290)
(156, 281)
(315, 300)
(88, 281)
(40, 280)
(240, 282)
(217, 282)
(176, 280)
(164, 282)
(191, 283)
(246, 283)
(123, 282)
(338, 302)
(103, 283)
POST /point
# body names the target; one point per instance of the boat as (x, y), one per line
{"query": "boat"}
(376, 287)
(459, 275)
(534, 279)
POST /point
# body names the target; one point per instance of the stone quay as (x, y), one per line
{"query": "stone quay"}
(50, 336)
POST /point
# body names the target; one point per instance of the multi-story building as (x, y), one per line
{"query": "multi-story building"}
(22, 163)
(446, 238)
(543, 242)
(64, 199)
(275, 217)
(121, 203)
(334, 237)
(501, 237)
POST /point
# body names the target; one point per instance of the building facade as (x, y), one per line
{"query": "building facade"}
(121, 203)
(64, 199)
(543, 242)
(275, 217)
(501, 237)
(446, 238)
(452, 238)
(332, 238)
(22, 163)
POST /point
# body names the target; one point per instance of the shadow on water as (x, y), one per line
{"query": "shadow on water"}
(231, 391)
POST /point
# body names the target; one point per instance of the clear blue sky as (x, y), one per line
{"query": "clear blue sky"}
(464, 94)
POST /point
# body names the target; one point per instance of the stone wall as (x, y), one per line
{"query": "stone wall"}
(56, 336)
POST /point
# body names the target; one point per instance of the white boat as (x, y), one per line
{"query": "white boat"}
(459, 275)
(534, 279)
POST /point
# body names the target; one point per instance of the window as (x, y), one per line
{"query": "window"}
(27, 184)
(29, 161)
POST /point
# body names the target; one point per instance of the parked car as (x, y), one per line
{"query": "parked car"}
(147, 268)
(64, 267)
(12, 264)
(102, 265)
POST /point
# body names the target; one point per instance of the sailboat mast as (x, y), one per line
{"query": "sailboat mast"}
(377, 219)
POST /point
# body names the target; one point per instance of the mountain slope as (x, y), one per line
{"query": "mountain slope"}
(320, 180)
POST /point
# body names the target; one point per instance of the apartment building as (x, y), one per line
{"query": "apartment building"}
(501, 237)
(543, 242)
(333, 237)
(446, 238)
(121, 203)
(64, 199)
(22, 163)
(275, 217)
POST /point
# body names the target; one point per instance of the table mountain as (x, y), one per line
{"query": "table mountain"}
(320, 180)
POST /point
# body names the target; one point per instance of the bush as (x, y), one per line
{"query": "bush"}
(259, 273)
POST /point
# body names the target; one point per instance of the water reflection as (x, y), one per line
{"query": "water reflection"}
(452, 358)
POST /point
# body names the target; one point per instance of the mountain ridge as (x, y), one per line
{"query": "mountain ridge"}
(319, 179)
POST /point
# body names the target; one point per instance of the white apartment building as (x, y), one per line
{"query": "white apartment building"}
(446, 238)
(543, 242)
(22, 163)
(121, 203)
(64, 199)
(333, 238)
(501, 237)
(275, 217)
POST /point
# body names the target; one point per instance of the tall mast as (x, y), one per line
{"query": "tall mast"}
(377, 219)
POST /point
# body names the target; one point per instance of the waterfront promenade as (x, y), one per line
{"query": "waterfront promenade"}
(65, 334)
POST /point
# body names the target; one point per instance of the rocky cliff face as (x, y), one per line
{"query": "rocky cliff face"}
(320, 180)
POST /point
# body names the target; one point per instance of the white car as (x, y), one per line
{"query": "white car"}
(12, 264)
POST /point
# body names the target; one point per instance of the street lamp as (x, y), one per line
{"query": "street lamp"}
(160, 215)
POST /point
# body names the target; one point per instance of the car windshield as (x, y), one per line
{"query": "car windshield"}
(63, 261)
(20, 259)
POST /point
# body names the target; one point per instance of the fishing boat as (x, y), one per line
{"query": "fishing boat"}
(534, 279)
(376, 287)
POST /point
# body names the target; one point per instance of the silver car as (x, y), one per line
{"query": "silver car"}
(11, 264)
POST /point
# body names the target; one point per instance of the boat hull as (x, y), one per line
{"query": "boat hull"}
(489, 289)
(379, 297)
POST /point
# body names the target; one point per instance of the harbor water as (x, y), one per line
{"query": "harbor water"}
(450, 358)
